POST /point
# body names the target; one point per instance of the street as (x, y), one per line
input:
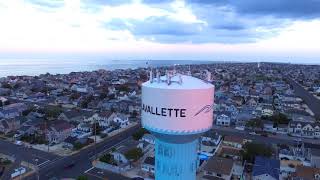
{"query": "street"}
(271, 139)
(22, 153)
(82, 160)
(309, 99)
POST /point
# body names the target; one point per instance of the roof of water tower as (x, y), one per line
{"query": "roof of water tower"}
(186, 82)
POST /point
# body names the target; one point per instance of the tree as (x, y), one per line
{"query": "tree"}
(255, 123)
(7, 102)
(107, 158)
(251, 150)
(82, 178)
(103, 95)
(139, 134)
(134, 113)
(124, 88)
(77, 146)
(75, 96)
(6, 85)
(134, 154)
(280, 118)
(52, 111)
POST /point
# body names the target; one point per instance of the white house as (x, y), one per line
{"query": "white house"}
(223, 120)
(122, 120)
(148, 165)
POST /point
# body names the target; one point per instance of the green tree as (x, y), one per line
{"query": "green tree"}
(107, 158)
(139, 134)
(7, 102)
(77, 146)
(103, 95)
(251, 150)
(82, 178)
(134, 154)
(75, 96)
(123, 87)
(52, 111)
(6, 85)
(255, 123)
(280, 118)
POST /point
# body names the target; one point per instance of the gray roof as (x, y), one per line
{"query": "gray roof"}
(263, 165)
(219, 165)
(315, 152)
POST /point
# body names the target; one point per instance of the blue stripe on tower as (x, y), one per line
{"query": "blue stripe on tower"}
(176, 161)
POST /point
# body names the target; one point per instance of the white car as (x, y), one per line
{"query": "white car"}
(19, 171)
(19, 143)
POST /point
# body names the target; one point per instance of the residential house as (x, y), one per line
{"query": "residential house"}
(304, 129)
(9, 113)
(268, 126)
(8, 125)
(267, 111)
(315, 157)
(105, 118)
(149, 138)
(233, 153)
(266, 169)
(210, 141)
(233, 141)
(27, 130)
(148, 165)
(122, 120)
(76, 115)
(84, 127)
(19, 107)
(217, 167)
(119, 155)
(306, 173)
(58, 131)
(223, 120)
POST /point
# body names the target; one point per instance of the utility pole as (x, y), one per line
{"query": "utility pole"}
(95, 138)
(47, 133)
(38, 177)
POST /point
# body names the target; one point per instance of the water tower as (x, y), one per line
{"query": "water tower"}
(177, 109)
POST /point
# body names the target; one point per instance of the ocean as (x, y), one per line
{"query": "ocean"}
(37, 67)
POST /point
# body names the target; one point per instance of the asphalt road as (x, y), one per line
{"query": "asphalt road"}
(82, 162)
(22, 153)
(271, 139)
(310, 100)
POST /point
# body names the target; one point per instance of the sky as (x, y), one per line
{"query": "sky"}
(236, 30)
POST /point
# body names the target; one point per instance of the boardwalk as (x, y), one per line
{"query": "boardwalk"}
(310, 100)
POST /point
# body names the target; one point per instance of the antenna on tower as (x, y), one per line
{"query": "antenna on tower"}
(151, 76)
(168, 76)
(158, 76)
(189, 71)
(208, 73)
(180, 79)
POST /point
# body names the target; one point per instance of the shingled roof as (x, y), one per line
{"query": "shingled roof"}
(263, 165)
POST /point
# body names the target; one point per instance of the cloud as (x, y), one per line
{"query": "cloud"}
(47, 3)
(106, 2)
(293, 9)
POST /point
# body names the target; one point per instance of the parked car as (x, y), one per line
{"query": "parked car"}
(19, 171)
(19, 143)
